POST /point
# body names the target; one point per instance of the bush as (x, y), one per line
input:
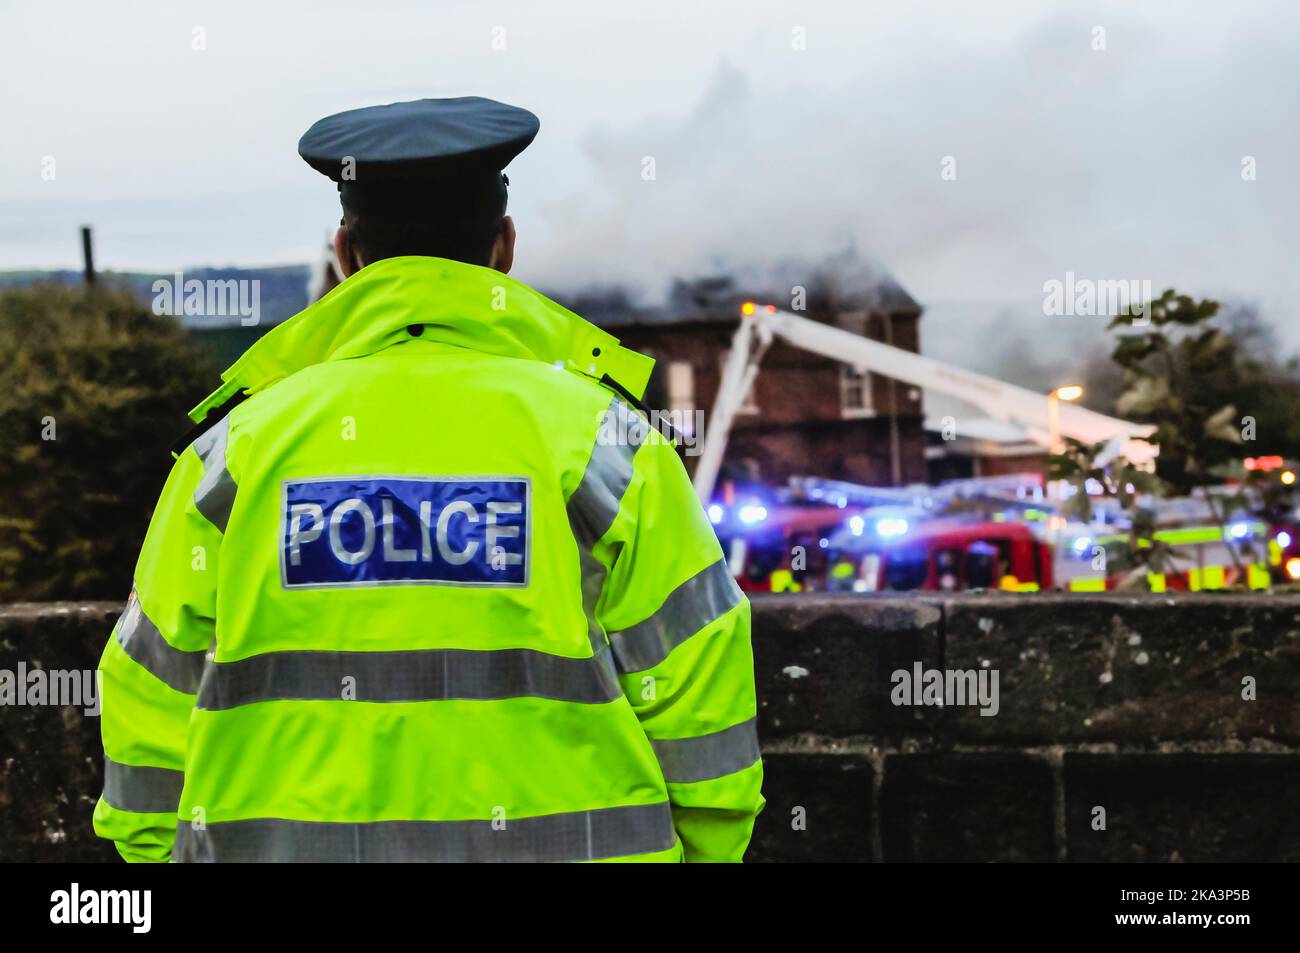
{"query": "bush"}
(93, 389)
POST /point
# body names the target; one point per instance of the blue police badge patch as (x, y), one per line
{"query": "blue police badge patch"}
(395, 530)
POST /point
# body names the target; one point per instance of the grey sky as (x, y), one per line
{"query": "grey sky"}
(1117, 164)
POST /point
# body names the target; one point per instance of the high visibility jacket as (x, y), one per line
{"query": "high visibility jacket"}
(430, 592)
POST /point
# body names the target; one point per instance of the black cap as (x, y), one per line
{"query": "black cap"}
(386, 156)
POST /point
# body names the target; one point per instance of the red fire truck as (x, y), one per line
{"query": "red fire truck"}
(942, 554)
(777, 548)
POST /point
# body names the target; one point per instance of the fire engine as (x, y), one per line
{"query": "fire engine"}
(772, 543)
(944, 554)
(1038, 413)
(833, 534)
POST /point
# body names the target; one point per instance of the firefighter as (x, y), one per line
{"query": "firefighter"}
(423, 584)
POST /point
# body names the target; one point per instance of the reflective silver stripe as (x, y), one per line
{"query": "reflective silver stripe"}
(706, 757)
(593, 580)
(702, 599)
(141, 640)
(215, 494)
(550, 838)
(595, 502)
(142, 790)
(408, 676)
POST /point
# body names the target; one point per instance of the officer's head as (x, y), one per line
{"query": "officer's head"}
(422, 178)
(464, 222)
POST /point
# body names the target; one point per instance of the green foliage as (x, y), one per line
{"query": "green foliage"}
(1211, 389)
(93, 388)
(1178, 370)
(1078, 464)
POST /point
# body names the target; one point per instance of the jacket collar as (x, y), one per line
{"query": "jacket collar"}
(465, 305)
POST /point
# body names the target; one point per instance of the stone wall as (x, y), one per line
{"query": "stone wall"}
(51, 761)
(1129, 704)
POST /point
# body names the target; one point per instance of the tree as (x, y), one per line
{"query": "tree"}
(93, 389)
(1176, 370)
(1190, 377)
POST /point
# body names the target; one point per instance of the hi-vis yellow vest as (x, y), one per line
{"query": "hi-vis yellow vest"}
(430, 592)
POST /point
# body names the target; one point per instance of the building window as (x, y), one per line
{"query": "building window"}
(749, 405)
(681, 386)
(855, 392)
(681, 395)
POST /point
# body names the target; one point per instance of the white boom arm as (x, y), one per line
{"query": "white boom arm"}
(999, 400)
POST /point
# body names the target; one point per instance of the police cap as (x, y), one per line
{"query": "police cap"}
(390, 157)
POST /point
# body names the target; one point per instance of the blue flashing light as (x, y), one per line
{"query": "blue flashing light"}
(752, 513)
(1284, 539)
(1239, 530)
(891, 527)
(715, 514)
(856, 525)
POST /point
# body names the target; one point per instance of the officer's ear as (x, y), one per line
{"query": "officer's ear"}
(503, 247)
(349, 264)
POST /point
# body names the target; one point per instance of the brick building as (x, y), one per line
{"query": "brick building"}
(807, 414)
(983, 448)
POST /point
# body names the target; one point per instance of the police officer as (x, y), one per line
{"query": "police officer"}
(423, 584)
